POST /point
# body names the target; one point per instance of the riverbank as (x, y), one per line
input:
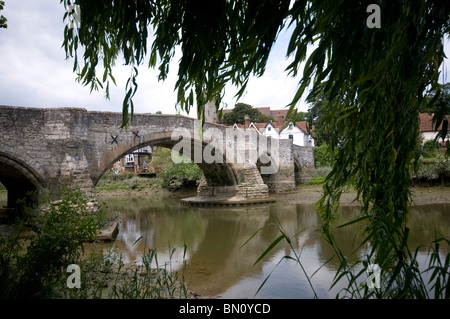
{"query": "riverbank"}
(310, 194)
(304, 194)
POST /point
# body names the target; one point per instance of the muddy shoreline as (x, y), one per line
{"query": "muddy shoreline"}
(304, 194)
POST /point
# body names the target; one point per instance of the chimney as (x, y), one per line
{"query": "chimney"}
(280, 118)
(247, 121)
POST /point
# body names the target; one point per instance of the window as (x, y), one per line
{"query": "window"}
(291, 137)
(269, 128)
(129, 158)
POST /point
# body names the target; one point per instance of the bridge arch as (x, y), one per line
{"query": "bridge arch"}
(20, 178)
(215, 174)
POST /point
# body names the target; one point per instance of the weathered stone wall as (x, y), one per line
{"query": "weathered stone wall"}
(284, 179)
(304, 156)
(45, 148)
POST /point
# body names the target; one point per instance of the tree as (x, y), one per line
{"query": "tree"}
(323, 126)
(238, 114)
(263, 118)
(442, 97)
(3, 20)
(375, 62)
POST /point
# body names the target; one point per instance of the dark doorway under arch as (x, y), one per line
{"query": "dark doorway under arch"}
(20, 183)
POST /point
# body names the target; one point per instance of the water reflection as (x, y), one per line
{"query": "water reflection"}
(218, 265)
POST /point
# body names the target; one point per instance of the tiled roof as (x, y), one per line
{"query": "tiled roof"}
(426, 122)
(303, 125)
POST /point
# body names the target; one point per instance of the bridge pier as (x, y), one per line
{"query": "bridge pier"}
(284, 179)
(250, 186)
(304, 163)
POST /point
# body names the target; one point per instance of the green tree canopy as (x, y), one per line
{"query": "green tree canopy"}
(238, 113)
(442, 100)
(376, 63)
(323, 126)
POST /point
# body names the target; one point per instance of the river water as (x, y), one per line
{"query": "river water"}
(217, 264)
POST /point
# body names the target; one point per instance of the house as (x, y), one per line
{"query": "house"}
(281, 129)
(299, 132)
(135, 162)
(426, 127)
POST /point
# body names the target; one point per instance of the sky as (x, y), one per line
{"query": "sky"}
(34, 71)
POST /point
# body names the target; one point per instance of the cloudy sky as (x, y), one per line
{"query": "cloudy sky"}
(34, 72)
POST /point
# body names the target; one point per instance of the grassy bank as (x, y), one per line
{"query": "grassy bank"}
(128, 181)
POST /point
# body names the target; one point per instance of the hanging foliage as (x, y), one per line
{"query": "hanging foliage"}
(374, 62)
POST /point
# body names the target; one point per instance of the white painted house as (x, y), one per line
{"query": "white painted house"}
(299, 137)
(299, 133)
(271, 131)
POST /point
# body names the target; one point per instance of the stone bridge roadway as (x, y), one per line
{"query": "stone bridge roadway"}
(46, 148)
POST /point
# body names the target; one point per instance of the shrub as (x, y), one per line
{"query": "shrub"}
(182, 171)
(322, 171)
(161, 158)
(434, 169)
(127, 181)
(322, 156)
(317, 180)
(60, 228)
(429, 148)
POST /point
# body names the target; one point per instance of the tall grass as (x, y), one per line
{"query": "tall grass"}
(387, 246)
(108, 277)
(111, 181)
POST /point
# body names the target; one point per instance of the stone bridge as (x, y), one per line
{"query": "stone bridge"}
(46, 149)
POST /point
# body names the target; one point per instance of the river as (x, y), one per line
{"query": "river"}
(218, 265)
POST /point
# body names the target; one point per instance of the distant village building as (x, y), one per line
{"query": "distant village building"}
(426, 126)
(299, 133)
(136, 162)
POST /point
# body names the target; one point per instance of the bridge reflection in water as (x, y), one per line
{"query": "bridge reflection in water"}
(217, 265)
